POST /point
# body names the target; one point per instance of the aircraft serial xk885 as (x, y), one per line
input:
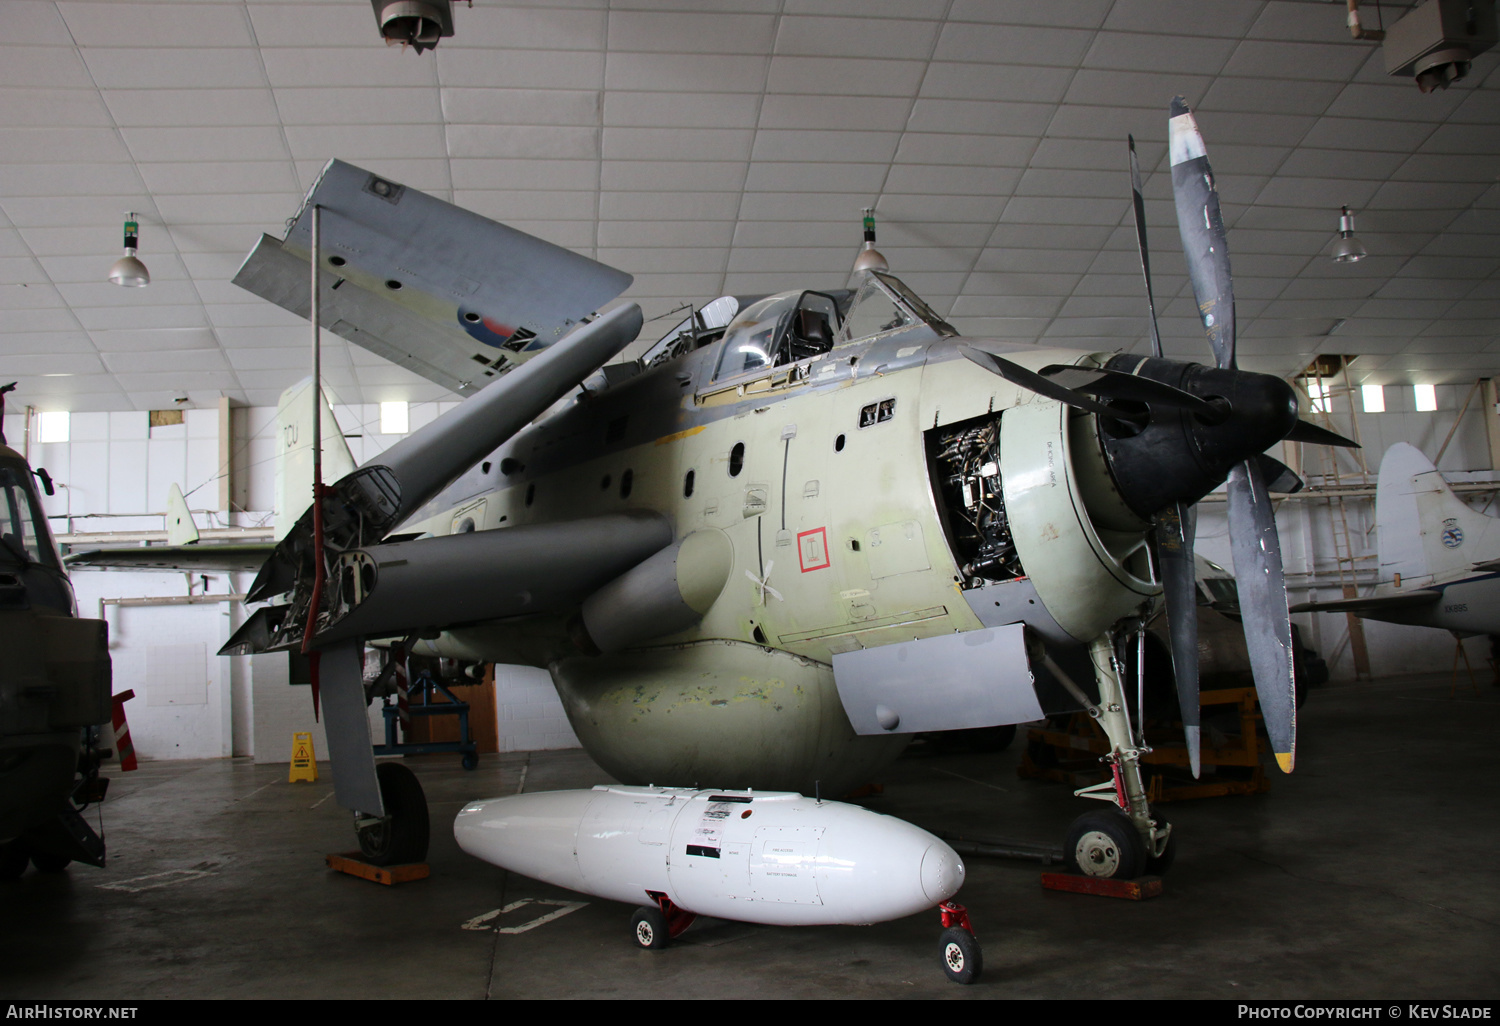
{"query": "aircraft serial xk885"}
(800, 529)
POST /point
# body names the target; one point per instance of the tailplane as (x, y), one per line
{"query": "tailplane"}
(294, 457)
(1427, 535)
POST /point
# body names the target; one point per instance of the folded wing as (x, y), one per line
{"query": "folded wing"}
(450, 295)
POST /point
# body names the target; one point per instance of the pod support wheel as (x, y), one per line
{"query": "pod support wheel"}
(963, 960)
(649, 928)
(666, 925)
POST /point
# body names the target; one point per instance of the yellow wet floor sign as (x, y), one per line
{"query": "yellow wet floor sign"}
(304, 764)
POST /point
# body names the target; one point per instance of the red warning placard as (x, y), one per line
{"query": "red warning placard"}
(812, 549)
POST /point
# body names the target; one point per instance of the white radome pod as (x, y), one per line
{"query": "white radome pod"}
(760, 857)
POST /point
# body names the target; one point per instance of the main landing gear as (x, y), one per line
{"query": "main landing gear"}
(402, 835)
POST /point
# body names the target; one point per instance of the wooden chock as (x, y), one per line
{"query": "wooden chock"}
(1131, 890)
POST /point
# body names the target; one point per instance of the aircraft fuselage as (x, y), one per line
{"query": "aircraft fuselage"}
(820, 474)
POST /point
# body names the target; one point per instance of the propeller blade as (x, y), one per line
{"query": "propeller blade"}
(1263, 606)
(1111, 384)
(1306, 431)
(1201, 225)
(1140, 235)
(1277, 475)
(1174, 544)
(1018, 375)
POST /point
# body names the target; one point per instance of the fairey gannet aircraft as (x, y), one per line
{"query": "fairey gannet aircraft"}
(800, 529)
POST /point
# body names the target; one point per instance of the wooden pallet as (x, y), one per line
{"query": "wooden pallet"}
(1075, 751)
(352, 864)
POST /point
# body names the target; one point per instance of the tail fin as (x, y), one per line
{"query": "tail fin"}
(1427, 535)
(180, 527)
(294, 458)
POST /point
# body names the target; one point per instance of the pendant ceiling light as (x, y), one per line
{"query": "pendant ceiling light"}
(1348, 249)
(870, 258)
(127, 270)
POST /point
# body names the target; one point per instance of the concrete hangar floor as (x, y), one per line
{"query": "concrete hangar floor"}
(1368, 874)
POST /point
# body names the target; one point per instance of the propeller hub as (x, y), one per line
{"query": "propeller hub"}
(1181, 457)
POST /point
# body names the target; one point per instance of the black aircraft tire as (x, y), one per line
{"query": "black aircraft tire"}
(14, 857)
(404, 835)
(50, 862)
(962, 959)
(1105, 844)
(648, 927)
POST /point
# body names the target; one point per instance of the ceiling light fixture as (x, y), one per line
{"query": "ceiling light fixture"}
(129, 271)
(419, 24)
(1348, 249)
(870, 258)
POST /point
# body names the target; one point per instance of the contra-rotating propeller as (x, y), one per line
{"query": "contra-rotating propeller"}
(1254, 543)
(1174, 431)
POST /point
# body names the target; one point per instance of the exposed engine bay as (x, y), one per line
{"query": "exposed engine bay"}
(964, 466)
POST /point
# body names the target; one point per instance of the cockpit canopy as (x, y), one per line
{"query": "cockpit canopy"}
(756, 333)
(793, 326)
(779, 329)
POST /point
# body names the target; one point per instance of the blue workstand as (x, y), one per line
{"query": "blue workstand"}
(420, 703)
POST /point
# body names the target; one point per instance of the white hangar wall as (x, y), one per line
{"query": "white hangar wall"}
(113, 475)
(115, 471)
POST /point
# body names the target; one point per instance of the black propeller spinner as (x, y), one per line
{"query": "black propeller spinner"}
(1179, 456)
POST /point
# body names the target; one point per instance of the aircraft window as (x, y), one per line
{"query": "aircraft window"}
(687, 485)
(21, 521)
(736, 459)
(779, 329)
(884, 303)
(530, 491)
(916, 302)
(697, 329)
(838, 444)
(812, 328)
(604, 483)
(751, 341)
(627, 481)
(873, 312)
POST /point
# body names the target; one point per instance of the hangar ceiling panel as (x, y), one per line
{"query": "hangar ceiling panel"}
(730, 144)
